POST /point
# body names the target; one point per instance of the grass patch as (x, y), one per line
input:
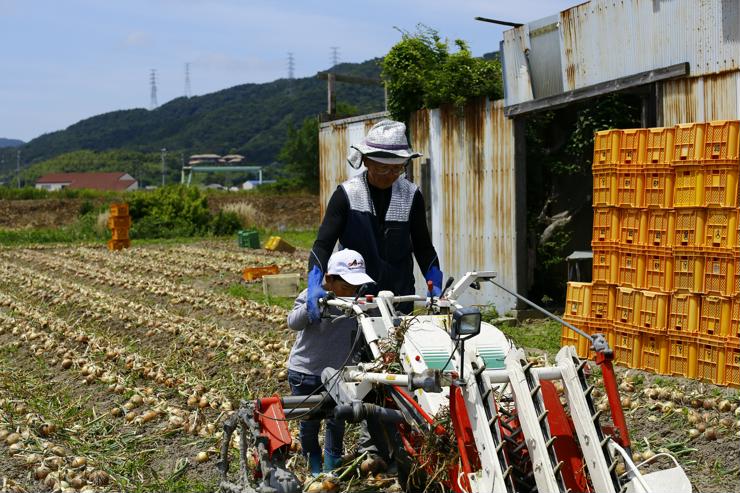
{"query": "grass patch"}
(535, 334)
(254, 292)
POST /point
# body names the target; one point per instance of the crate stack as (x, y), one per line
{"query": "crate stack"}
(666, 251)
(119, 222)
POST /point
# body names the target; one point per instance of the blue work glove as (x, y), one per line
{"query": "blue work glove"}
(315, 291)
(435, 275)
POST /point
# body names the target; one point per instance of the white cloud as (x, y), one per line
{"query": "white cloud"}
(138, 38)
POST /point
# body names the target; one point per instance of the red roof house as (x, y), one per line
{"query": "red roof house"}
(116, 181)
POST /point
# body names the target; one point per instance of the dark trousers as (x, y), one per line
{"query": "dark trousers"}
(305, 384)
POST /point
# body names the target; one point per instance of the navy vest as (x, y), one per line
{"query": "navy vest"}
(387, 251)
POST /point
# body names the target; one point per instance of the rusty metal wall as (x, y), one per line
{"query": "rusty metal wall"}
(603, 40)
(469, 157)
(335, 137)
(709, 97)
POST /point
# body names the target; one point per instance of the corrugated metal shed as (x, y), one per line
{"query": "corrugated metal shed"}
(604, 40)
(335, 137)
(709, 97)
(469, 182)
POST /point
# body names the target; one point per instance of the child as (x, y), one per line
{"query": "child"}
(322, 344)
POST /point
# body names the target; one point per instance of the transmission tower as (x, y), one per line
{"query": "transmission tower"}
(334, 56)
(187, 80)
(153, 83)
(291, 65)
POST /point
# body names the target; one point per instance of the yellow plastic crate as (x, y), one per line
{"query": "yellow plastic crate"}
(627, 345)
(659, 270)
(715, 315)
(721, 228)
(659, 146)
(627, 306)
(569, 337)
(605, 264)
(118, 244)
(632, 226)
(631, 268)
(688, 271)
(688, 186)
(710, 364)
(732, 364)
(606, 148)
(603, 299)
(661, 228)
(632, 146)
(605, 188)
(606, 225)
(119, 210)
(119, 222)
(735, 320)
(683, 314)
(719, 274)
(682, 355)
(689, 227)
(658, 187)
(578, 299)
(119, 234)
(630, 186)
(720, 185)
(688, 142)
(721, 141)
(652, 312)
(277, 244)
(654, 353)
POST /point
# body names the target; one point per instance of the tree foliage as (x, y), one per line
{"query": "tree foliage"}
(300, 154)
(420, 72)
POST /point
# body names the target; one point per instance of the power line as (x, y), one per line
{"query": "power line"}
(334, 56)
(291, 65)
(153, 94)
(187, 79)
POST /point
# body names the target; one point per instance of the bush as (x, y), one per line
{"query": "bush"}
(170, 211)
(225, 223)
(420, 72)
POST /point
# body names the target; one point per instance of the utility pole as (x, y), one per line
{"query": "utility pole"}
(153, 89)
(291, 65)
(187, 80)
(164, 154)
(18, 167)
(334, 56)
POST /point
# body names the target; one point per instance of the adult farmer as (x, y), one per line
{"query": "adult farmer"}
(381, 215)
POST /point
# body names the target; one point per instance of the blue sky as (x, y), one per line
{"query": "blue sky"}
(66, 60)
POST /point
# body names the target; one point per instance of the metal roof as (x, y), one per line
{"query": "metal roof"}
(604, 40)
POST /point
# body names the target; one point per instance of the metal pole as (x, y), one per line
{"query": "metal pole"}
(18, 167)
(542, 310)
(164, 153)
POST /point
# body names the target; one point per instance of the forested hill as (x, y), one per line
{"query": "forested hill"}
(10, 142)
(250, 119)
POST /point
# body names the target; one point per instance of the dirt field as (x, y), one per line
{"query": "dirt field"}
(278, 211)
(117, 370)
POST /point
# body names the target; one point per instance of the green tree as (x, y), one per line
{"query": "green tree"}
(420, 72)
(301, 154)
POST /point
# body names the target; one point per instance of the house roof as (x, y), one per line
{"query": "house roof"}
(97, 181)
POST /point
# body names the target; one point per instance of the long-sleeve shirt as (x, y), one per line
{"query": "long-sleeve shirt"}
(335, 220)
(318, 344)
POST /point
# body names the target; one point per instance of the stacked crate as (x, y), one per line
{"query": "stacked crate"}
(666, 246)
(119, 223)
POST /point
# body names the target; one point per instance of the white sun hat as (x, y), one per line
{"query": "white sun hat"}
(385, 142)
(350, 266)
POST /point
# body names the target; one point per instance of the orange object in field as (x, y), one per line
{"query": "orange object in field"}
(254, 273)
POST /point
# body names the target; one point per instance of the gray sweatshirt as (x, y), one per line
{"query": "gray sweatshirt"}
(319, 344)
